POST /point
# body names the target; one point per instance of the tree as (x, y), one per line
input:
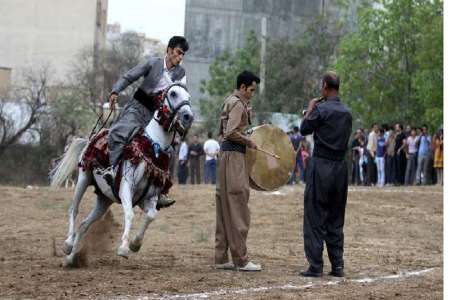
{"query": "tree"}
(296, 67)
(223, 72)
(391, 67)
(28, 99)
(69, 115)
(123, 54)
(293, 69)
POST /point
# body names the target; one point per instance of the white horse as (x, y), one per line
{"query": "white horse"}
(134, 182)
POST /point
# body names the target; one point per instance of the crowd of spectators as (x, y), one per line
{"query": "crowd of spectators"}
(397, 156)
(192, 154)
(384, 155)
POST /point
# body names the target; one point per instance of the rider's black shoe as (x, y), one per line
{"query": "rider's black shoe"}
(164, 201)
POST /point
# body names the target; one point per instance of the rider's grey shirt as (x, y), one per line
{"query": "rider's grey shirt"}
(152, 70)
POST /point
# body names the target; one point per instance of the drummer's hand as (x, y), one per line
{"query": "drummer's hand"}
(112, 100)
(252, 145)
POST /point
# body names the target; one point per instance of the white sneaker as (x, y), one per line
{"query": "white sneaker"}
(250, 267)
(225, 266)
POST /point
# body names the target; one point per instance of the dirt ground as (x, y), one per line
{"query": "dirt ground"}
(388, 231)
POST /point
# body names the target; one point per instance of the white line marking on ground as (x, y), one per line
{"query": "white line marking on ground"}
(223, 292)
(381, 190)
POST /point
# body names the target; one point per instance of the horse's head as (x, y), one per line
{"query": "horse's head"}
(177, 107)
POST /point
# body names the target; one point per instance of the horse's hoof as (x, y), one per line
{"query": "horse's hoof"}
(71, 262)
(124, 252)
(135, 246)
(67, 248)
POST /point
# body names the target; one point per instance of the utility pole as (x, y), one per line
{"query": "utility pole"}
(262, 67)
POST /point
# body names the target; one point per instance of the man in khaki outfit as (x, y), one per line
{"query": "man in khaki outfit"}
(232, 192)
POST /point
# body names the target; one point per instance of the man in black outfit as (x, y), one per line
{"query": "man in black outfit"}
(195, 152)
(326, 180)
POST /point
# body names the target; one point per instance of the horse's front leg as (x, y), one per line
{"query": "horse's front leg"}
(101, 206)
(126, 196)
(84, 178)
(149, 207)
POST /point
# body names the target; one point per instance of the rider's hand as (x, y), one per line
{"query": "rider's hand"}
(112, 101)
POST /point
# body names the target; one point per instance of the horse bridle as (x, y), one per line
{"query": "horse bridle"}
(172, 118)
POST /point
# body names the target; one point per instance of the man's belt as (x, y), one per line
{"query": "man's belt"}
(230, 146)
(326, 153)
(151, 102)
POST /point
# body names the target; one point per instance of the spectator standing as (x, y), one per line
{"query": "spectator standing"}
(381, 153)
(411, 144)
(211, 148)
(355, 158)
(400, 158)
(439, 156)
(296, 139)
(423, 157)
(372, 149)
(182, 162)
(304, 148)
(195, 152)
(389, 165)
(362, 161)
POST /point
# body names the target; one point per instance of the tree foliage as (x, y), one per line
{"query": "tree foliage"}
(293, 70)
(223, 72)
(391, 67)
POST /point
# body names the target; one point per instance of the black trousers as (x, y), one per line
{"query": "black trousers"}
(390, 169)
(324, 205)
(371, 170)
(400, 168)
(194, 172)
(182, 172)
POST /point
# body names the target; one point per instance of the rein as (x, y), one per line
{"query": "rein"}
(98, 121)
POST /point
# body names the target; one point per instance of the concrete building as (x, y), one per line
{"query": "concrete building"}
(39, 32)
(215, 26)
(151, 46)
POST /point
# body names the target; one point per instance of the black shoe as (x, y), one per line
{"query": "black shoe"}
(311, 273)
(164, 201)
(337, 272)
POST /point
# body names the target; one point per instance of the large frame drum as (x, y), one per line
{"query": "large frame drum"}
(268, 173)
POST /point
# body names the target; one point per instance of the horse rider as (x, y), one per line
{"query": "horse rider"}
(232, 189)
(158, 74)
(326, 180)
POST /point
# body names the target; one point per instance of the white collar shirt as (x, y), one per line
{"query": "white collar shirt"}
(183, 154)
(166, 79)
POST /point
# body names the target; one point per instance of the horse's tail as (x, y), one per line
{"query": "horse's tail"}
(68, 162)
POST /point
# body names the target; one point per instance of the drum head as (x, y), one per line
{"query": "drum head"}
(268, 173)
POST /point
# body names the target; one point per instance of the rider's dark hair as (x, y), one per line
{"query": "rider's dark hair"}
(246, 78)
(178, 41)
(332, 80)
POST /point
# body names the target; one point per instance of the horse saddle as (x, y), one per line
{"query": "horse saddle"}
(96, 157)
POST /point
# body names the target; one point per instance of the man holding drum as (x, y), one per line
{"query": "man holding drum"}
(326, 179)
(232, 192)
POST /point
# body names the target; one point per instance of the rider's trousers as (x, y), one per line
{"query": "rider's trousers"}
(133, 117)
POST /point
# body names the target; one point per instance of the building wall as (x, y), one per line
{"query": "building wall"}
(214, 26)
(5, 81)
(34, 32)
